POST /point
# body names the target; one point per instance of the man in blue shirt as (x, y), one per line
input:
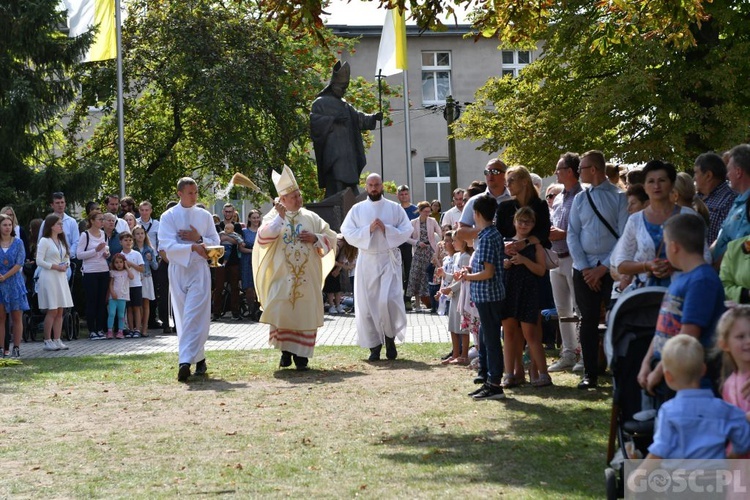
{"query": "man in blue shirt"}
(736, 225)
(591, 239)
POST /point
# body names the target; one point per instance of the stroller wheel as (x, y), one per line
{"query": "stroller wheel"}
(610, 476)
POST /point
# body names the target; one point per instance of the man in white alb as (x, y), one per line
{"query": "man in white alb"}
(377, 226)
(184, 233)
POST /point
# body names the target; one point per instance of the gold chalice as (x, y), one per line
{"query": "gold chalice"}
(214, 252)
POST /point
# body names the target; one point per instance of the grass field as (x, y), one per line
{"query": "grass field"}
(123, 427)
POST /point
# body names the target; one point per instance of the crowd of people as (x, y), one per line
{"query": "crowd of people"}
(503, 252)
(590, 238)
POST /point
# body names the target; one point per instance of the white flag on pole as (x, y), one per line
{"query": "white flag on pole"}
(392, 51)
(84, 15)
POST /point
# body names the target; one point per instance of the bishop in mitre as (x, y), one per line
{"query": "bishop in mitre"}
(293, 252)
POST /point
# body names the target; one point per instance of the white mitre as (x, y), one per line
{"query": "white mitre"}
(284, 182)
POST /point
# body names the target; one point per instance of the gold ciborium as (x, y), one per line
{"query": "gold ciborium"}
(214, 252)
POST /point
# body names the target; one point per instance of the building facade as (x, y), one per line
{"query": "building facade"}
(440, 64)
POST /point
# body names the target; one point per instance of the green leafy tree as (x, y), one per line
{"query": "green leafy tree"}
(519, 21)
(211, 89)
(636, 101)
(36, 63)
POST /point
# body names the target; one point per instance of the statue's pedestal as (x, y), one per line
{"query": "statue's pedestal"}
(334, 208)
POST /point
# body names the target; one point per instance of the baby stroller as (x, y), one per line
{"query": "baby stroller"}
(34, 317)
(631, 327)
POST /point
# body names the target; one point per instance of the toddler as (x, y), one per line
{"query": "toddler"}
(119, 293)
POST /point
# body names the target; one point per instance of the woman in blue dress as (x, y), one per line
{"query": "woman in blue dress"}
(12, 287)
(254, 219)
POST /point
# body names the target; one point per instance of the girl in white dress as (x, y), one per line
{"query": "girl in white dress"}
(53, 259)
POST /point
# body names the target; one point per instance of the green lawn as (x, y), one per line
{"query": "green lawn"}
(123, 427)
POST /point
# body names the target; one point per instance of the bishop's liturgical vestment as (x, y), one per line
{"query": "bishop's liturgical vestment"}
(289, 273)
(378, 293)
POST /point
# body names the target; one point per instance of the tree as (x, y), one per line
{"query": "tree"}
(36, 64)
(518, 21)
(211, 89)
(636, 101)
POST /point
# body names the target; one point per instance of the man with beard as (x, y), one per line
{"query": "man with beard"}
(377, 226)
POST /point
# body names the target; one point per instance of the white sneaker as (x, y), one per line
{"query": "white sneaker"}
(562, 364)
(60, 345)
(332, 310)
(340, 309)
(50, 345)
(579, 368)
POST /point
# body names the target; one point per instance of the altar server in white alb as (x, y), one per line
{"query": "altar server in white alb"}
(293, 252)
(184, 233)
(377, 227)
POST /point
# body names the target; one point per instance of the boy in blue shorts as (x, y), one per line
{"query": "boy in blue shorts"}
(693, 303)
(487, 292)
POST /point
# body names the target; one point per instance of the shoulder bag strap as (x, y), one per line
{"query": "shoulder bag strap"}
(598, 214)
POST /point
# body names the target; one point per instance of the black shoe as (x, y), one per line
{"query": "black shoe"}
(286, 359)
(375, 353)
(215, 317)
(184, 372)
(236, 317)
(587, 383)
(480, 380)
(390, 348)
(476, 391)
(168, 330)
(200, 367)
(489, 392)
(300, 363)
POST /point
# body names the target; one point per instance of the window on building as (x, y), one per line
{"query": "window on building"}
(437, 182)
(436, 77)
(514, 61)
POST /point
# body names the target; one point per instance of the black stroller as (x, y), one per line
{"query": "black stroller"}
(631, 327)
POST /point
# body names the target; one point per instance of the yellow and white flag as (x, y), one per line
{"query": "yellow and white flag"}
(86, 14)
(392, 52)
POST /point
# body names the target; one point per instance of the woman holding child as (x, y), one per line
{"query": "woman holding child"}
(524, 194)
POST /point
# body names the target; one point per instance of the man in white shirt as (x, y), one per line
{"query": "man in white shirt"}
(113, 205)
(70, 226)
(453, 216)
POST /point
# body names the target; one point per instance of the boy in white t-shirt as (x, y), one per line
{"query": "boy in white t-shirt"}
(135, 263)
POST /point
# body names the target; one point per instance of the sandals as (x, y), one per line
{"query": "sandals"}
(509, 380)
(544, 380)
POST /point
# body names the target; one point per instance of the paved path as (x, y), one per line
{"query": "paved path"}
(241, 336)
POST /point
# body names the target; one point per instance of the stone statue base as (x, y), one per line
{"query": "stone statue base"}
(334, 208)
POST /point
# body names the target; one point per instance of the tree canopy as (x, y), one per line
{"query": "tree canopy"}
(211, 89)
(636, 78)
(36, 61)
(520, 21)
(635, 101)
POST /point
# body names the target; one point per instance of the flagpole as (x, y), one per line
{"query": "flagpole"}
(380, 104)
(120, 120)
(407, 130)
